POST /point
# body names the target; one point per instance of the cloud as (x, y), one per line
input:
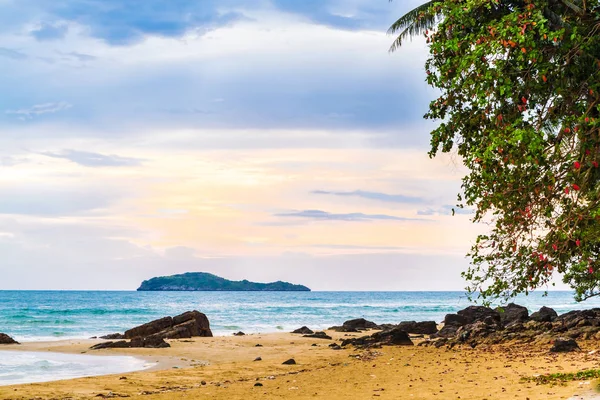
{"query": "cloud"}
(48, 31)
(39, 109)
(90, 159)
(392, 198)
(73, 55)
(445, 210)
(323, 215)
(54, 201)
(12, 54)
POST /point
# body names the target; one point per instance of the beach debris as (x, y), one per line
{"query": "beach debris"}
(291, 361)
(258, 384)
(391, 337)
(304, 330)
(258, 359)
(545, 314)
(240, 333)
(5, 339)
(355, 325)
(563, 345)
(319, 335)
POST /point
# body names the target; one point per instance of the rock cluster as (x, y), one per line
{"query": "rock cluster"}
(391, 337)
(153, 334)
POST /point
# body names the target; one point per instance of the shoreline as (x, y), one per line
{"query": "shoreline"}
(226, 366)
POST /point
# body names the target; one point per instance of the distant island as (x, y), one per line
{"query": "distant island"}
(202, 281)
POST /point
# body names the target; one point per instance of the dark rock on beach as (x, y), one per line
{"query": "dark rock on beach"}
(304, 331)
(355, 325)
(5, 339)
(545, 314)
(392, 337)
(113, 336)
(153, 342)
(564, 345)
(513, 313)
(419, 328)
(318, 335)
(240, 333)
(154, 333)
(183, 326)
(291, 361)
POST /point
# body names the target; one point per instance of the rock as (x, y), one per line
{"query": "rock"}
(423, 328)
(513, 313)
(473, 314)
(545, 314)
(258, 359)
(335, 346)
(154, 342)
(304, 330)
(203, 383)
(562, 345)
(113, 336)
(319, 335)
(258, 384)
(342, 329)
(186, 325)
(360, 324)
(240, 333)
(291, 361)
(5, 339)
(392, 337)
(258, 345)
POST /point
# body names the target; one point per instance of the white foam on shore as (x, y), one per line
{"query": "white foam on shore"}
(18, 367)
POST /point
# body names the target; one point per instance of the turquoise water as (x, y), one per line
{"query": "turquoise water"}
(52, 315)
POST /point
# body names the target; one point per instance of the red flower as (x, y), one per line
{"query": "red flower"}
(576, 186)
(595, 164)
(591, 270)
(577, 165)
(578, 242)
(555, 247)
(567, 190)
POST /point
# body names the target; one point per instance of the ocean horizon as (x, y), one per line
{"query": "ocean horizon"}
(40, 315)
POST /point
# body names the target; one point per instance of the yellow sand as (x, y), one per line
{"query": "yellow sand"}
(226, 366)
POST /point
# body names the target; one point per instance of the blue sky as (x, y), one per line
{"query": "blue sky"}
(252, 139)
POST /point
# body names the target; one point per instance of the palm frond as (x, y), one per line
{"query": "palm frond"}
(413, 23)
(573, 6)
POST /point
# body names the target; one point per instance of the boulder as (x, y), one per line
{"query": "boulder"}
(5, 339)
(186, 325)
(304, 331)
(392, 337)
(420, 328)
(473, 314)
(545, 314)
(291, 361)
(319, 335)
(360, 324)
(343, 329)
(240, 333)
(563, 345)
(513, 313)
(154, 342)
(113, 336)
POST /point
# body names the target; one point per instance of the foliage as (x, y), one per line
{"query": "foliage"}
(560, 377)
(519, 102)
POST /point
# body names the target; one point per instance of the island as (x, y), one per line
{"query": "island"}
(203, 281)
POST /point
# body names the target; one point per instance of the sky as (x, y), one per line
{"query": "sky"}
(254, 139)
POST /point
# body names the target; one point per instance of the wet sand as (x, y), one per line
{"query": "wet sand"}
(224, 368)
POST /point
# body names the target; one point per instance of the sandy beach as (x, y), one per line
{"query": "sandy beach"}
(224, 368)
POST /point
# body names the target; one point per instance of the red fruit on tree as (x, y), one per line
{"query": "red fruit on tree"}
(555, 247)
(578, 242)
(576, 186)
(587, 120)
(567, 130)
(595, 164)
(591, 270)
(567, 190)
(577, 165)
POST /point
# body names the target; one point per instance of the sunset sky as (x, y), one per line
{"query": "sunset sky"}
(254, 139)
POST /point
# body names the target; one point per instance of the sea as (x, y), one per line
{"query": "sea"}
(57, 315)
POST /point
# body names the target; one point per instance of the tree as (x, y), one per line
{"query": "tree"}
(519, 84)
